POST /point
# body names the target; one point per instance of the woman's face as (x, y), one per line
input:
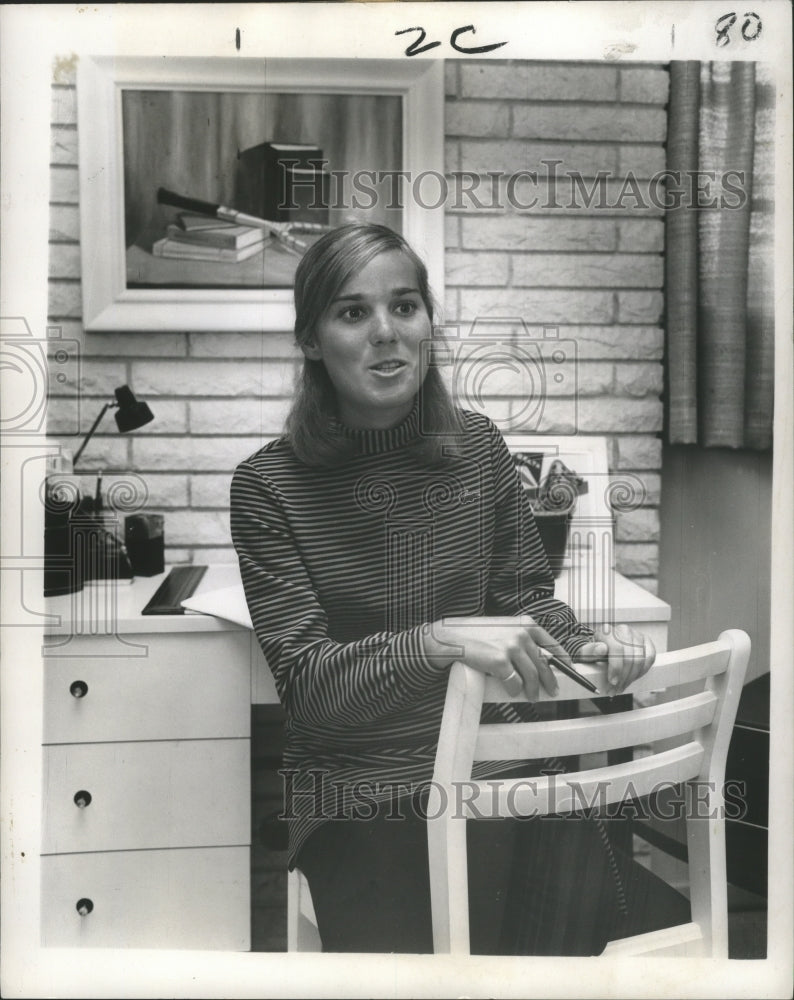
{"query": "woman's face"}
(370, 340)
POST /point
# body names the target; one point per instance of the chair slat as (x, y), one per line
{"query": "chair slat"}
(561, 793)
(683, 667)
(533, 740)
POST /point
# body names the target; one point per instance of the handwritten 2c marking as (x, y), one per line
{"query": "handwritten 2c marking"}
(416, 47)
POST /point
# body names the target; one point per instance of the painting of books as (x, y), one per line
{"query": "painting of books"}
(196, 237)
(292, 162)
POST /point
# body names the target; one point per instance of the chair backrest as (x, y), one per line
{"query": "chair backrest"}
(689, 727)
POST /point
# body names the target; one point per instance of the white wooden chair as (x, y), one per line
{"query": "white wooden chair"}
(698, 724)
(690, 732)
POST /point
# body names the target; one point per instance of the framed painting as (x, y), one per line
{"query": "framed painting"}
(202, 182)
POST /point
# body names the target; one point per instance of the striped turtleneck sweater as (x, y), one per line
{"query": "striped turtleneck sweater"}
(342, 569)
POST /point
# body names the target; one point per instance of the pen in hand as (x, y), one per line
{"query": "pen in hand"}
(563, 667)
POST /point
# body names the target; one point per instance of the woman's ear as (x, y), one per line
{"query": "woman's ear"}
(311, 349)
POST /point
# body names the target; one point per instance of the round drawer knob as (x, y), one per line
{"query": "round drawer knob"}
(82, 799)
(78, 689)
(84, 907)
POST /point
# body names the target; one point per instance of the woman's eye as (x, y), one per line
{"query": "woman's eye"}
(352, 313)
(407, 308)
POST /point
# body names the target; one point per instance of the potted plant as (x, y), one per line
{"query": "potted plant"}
(553, 501)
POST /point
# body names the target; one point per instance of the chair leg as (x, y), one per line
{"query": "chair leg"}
(293, 909)
(449, 891)
(302, 931)
(707, 865)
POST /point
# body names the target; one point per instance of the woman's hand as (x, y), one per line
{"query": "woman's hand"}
(507, 648)
(627, 654)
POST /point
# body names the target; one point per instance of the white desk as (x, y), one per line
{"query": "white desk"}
(112, 614)
(161, 741)
(146, 774)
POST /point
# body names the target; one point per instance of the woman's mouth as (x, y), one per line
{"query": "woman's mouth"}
(388, 369)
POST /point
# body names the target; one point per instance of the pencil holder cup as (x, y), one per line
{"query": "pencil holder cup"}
(145, 540)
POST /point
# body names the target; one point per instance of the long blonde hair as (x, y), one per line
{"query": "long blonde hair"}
(321, 273)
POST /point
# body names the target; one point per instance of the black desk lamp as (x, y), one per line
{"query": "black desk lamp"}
(77, 547)
(131, 415)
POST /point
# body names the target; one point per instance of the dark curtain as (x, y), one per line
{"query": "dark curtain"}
(719, 255)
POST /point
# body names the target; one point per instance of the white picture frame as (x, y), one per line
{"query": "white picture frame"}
(108, 303)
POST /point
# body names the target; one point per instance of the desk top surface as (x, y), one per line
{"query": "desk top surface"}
(105, 607)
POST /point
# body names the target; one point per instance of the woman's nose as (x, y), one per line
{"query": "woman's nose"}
(383, 327)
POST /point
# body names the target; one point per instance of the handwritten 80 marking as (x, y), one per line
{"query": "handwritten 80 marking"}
(416, 47)
(751, 27)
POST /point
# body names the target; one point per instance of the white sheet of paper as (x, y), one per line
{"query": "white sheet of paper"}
(228, 603)
(34, 39)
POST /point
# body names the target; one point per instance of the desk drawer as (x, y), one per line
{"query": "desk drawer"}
(185, 687)
(190, 793)
(148, 899)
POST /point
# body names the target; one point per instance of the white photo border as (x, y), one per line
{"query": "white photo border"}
(35, 38)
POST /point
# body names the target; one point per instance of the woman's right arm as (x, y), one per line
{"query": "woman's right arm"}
(318, 680)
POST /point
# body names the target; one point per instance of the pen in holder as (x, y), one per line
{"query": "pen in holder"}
(106, 555)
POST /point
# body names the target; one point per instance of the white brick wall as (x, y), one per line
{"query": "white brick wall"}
(547, 256)
(541, 81)
(593, 273)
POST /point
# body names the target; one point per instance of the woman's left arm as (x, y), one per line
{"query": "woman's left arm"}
(521, 583)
